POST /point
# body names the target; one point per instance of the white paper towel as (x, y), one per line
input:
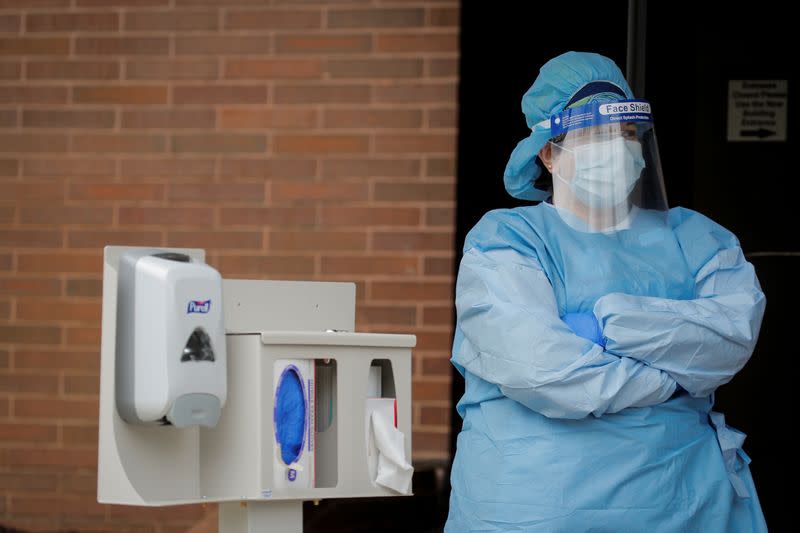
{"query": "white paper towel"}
(385, 409)
(394, 472)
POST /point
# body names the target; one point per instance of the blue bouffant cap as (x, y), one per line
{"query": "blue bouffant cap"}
(571, 79)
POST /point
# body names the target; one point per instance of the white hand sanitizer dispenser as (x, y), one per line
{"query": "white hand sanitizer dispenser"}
(171, 364)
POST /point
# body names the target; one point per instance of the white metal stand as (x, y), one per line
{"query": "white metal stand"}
(261, 517)
(234, 463)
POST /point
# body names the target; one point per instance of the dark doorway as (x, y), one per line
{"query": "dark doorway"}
(746, 186)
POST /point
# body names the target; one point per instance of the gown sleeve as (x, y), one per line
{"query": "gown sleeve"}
(703, 342)
(512, 336)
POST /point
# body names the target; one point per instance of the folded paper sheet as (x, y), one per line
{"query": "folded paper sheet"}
(393, 471)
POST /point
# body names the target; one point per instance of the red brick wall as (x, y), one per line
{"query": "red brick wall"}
(290, 139)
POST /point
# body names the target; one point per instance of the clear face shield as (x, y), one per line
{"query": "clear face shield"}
(605, 166)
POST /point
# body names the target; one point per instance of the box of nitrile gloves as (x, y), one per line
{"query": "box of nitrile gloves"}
(294, 418)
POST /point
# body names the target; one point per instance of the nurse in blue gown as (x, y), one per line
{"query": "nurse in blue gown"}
(592, 331)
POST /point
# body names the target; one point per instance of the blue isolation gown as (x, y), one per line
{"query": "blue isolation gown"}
(560, 435)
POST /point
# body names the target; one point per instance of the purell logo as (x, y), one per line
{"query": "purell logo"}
(198, 306)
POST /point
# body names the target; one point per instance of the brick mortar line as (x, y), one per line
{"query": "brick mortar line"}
(411, 31)
(438, 429)
(357, 253)
(435, 403)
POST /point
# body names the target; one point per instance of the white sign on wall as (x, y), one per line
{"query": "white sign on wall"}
(757, 110)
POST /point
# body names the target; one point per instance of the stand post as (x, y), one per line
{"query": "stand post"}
(261, 517)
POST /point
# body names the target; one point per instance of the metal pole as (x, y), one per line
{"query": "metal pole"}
(261, 517)
(637, 33)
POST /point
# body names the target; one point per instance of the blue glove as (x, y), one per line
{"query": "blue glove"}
(585, 325)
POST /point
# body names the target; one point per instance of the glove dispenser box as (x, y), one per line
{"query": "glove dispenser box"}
(294, 421)
(171, 361)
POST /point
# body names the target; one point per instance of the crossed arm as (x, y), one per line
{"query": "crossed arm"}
(512, 335)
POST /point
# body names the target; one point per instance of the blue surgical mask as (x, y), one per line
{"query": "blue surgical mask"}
(605, 172)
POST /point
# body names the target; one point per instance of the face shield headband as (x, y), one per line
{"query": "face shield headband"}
(598, 114)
